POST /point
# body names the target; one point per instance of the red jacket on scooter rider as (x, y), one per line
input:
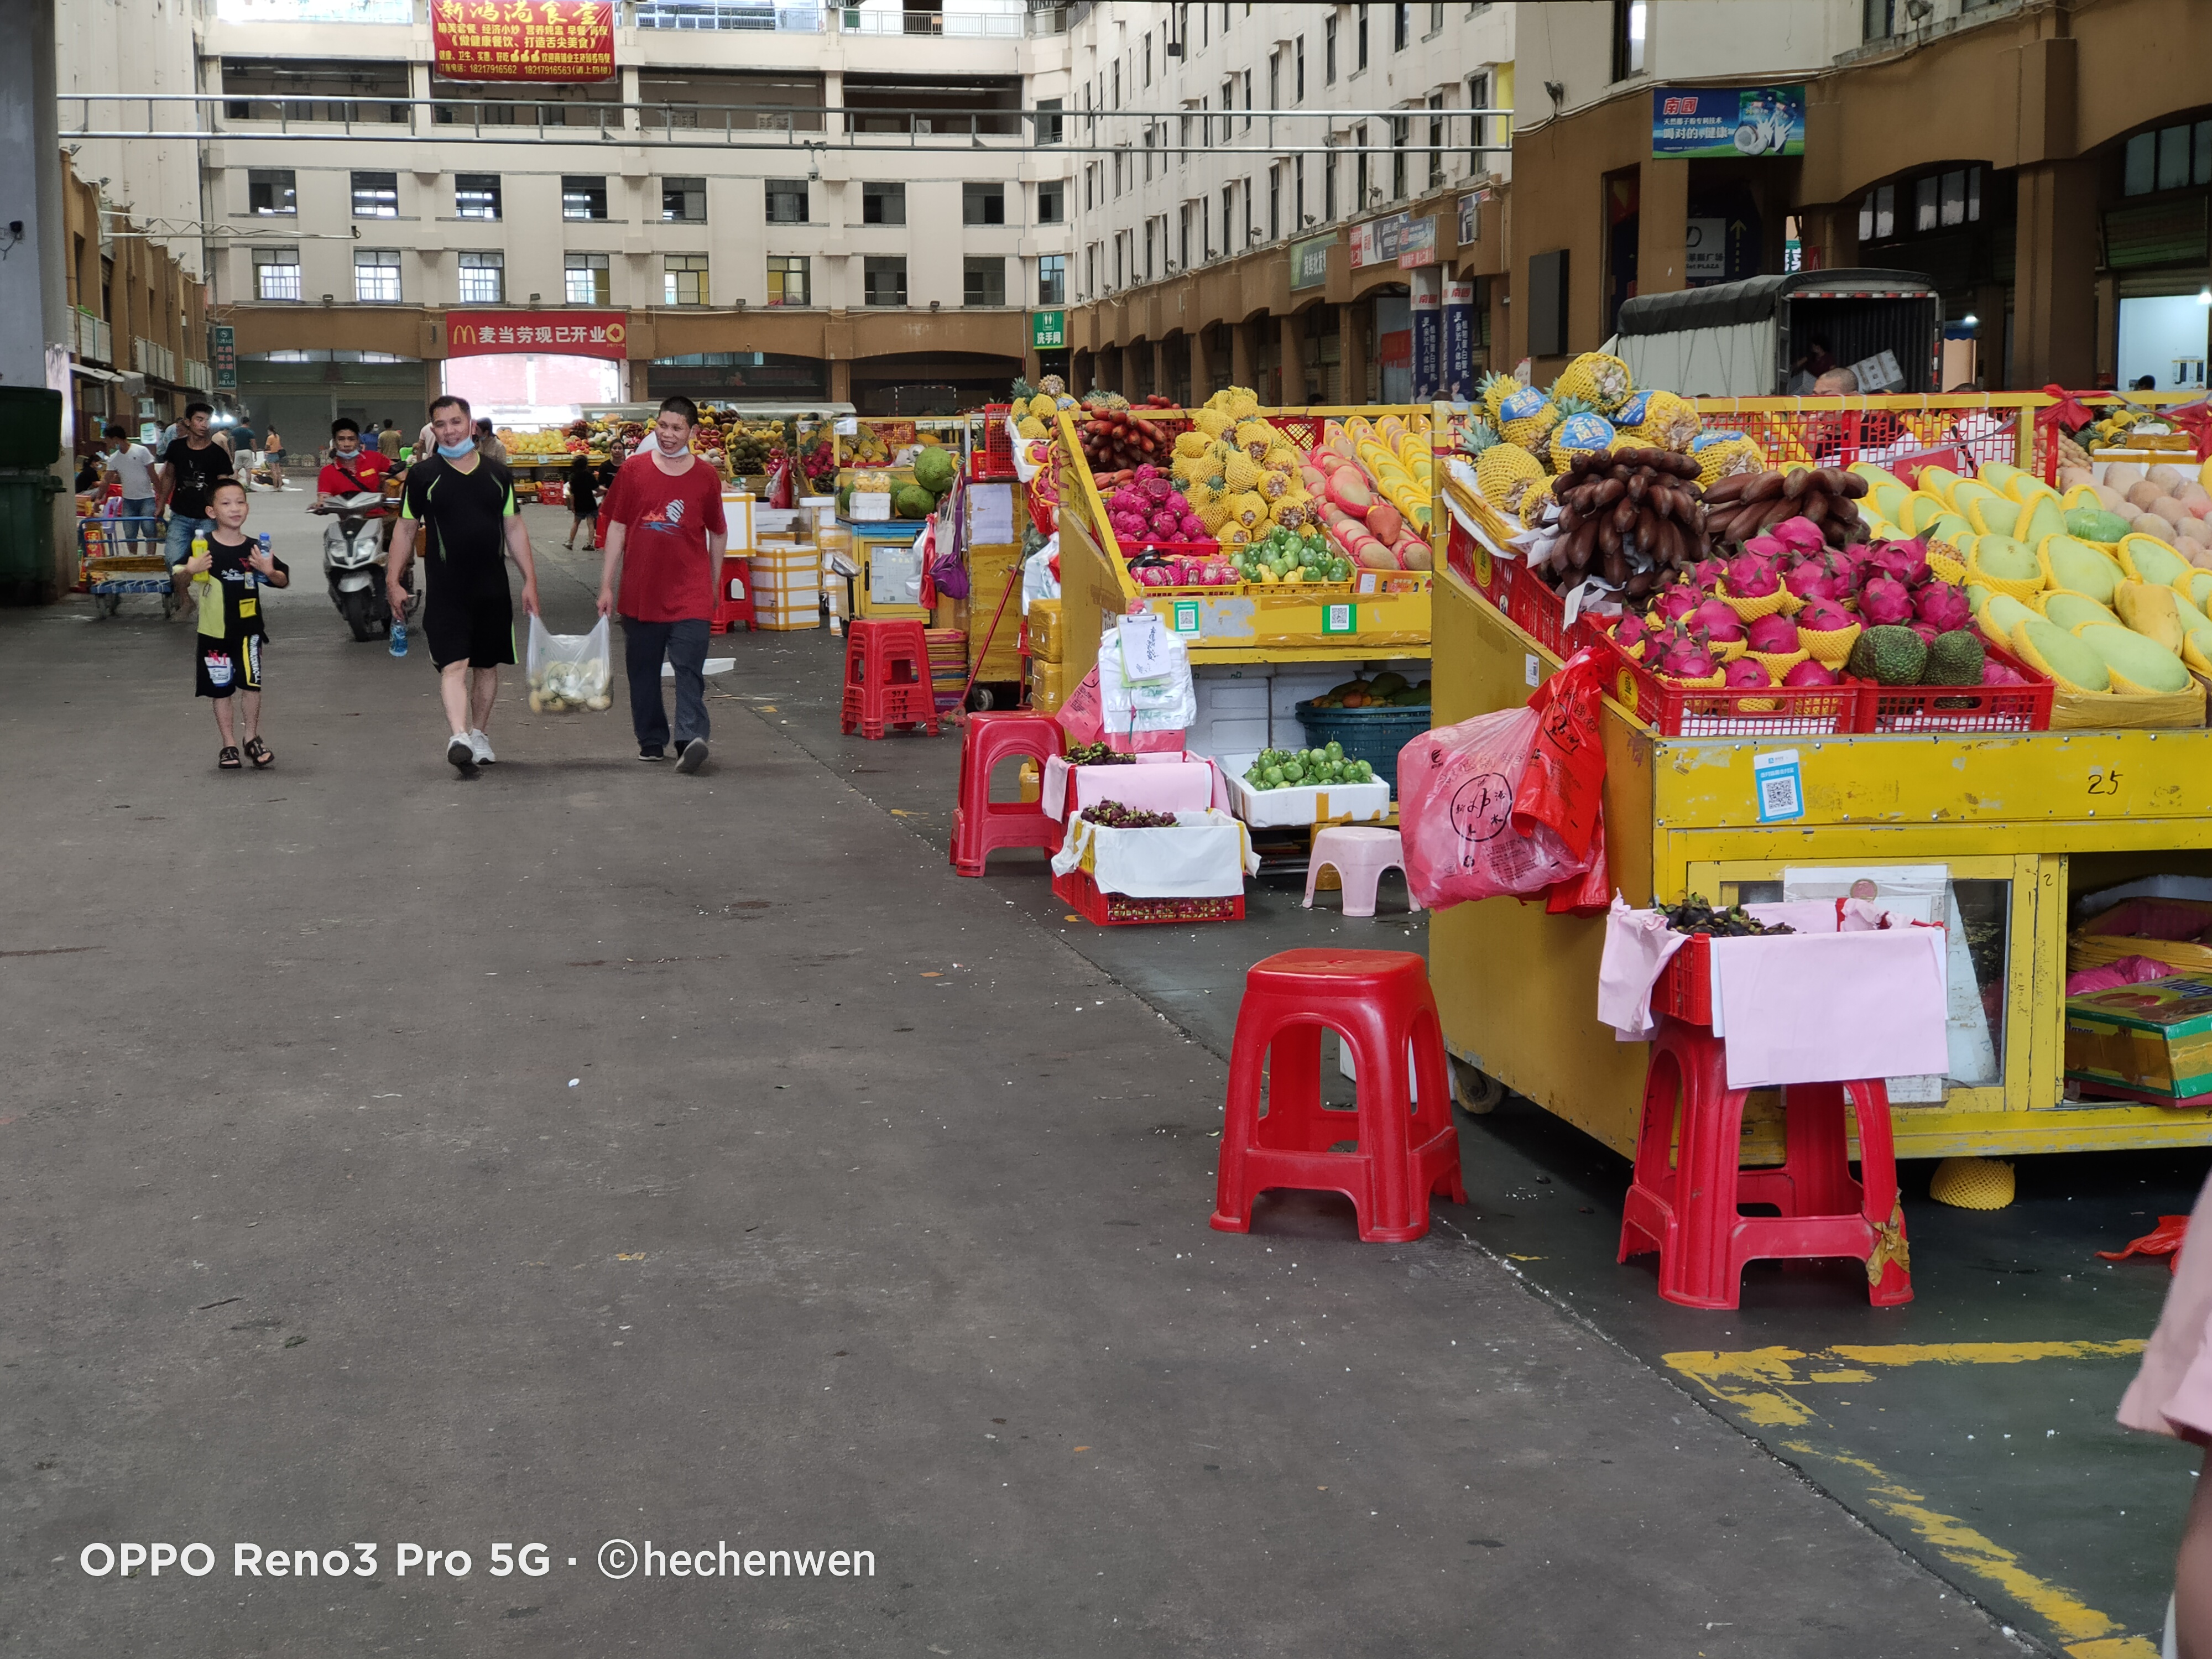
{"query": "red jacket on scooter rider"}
(351, 470)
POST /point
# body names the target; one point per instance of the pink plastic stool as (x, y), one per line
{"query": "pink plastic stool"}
(1359, 857)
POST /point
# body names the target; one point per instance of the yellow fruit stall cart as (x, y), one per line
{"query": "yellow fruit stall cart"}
(1258, 647)
(2009, 827)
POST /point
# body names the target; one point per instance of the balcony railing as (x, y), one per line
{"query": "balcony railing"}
(752, 17)
(956, 26)
(92, 340)
(156, 362)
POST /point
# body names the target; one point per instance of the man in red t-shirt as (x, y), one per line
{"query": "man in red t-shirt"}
(665, 513)
(351, 470)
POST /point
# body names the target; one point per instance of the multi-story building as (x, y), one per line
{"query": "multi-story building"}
(2045, 163)
(783, 202)
(137, 327)
(1250, 173)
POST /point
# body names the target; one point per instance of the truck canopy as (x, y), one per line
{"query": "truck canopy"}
(1741, 339)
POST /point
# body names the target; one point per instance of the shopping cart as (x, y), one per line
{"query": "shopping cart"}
(118, 556)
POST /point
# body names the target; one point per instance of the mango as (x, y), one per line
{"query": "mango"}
(2071, 610)
(2076, 565)
(1996, 515)
(2136, 663)
(2150, 560)
(2151, 610)
(2045, 646)
(2041, 518)
(2006, 560)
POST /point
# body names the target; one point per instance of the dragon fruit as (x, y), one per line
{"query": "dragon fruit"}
(1687, 663)
(1884, 599)
(1166, 522)
(1926, 631)
(1744, 673)
(1812, 579)
(1772, 636)
(1809, 672)
(1190, 528)
(1675, 602)
(1707, 573)
(1147, 474)
(1997, 673)
(1630, 629)
(1728, 630)
(1801, 533)
(1824, 617)
(1712, 613)
(1768, 546)
(1943, 606)
(1750, 577)
(1906, 560)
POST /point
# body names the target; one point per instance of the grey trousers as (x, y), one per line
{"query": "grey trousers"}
(685, 645)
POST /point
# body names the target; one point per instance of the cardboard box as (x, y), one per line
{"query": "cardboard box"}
(2154, 1040)
(1046, 689)
(1048, 630)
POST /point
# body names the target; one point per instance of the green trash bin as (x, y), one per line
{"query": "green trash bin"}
(30, 443)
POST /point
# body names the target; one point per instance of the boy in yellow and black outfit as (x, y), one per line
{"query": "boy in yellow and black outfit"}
(226, 575)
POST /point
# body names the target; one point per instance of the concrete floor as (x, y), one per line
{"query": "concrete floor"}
(381, 1165)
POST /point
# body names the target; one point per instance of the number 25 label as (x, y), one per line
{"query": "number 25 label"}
(2104, 783)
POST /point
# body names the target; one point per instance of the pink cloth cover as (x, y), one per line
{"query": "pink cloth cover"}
(1831, 1007)
(1638, 943)
(1156, 783)
(2172, 1394)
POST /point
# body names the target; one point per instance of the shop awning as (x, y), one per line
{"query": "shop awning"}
(92, 374)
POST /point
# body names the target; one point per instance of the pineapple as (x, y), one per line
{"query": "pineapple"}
(1281, 458)
(1255, 438)
(1527, 417)
(1248, 508)
(1494, 390)
(1243, 404)
(1213, 422)
(1597, 379)
(1670, 421)
(1233, 534)
(1289, 515)
(1243, 472)
(1273, 485)
(1029, 427)
(1534, 502)
(1192, 444)
(1201, 494)
(1053, 386)
(1043, 406)
(1501, 470)
(1580, 430)
(1213, 514)
(1722, 454)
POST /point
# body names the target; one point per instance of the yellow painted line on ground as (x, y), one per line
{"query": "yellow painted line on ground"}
(2088, 1633)
(1756, 1381)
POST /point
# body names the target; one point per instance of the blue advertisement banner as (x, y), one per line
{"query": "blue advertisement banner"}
(1727, 121)
(1459, 340)
(1428, 335)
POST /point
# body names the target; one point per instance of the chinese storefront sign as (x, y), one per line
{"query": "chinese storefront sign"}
(570, 333)
(523, 39)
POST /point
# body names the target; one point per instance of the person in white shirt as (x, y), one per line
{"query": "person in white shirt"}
(131, 466)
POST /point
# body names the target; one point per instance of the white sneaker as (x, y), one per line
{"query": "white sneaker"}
(481, 745)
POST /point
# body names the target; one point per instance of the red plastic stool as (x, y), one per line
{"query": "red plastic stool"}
(1380, 1002)
(887, 680)
(980, 825)
(1690, 1212)
(733, 600)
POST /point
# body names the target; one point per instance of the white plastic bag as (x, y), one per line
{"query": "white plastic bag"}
(1167, 702)
(569, 672)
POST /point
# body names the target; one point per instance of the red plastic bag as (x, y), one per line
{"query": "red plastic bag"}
(1456, 788)
(779, 485)
(1564, 788)
(1589, 893)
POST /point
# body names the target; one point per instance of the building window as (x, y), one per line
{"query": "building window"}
(1051, 126)
(1052, 279)
(1298, 79)
(885, 281)
(1436, 15)
(684, 279)
(1880, 20)
(1228, 103)
(984, 204)
(1328, 50)
(2170, 158)
(786, 201)
(376, 276)
(376, 196)
(1401, 26)
(1247, 100)
(1359, 40)
(583, 197)
(1275, 202)
(1359, 195)
(1148, 59)
(1052, 202)
(982, 282)
(787, 279)
(683, 201)
(1149, 267)
(1298, 194)
(270, 193)
(275, 273)
(882, 204)
(1477, 97)
(1090, 269)
(587, 281)
(1228, 219)
(483, 279)
(1400, 135)
(1328, 187)
(475, 195)
(1436, 141)
(1878, 214)
(1274, 80)
(1627, 38)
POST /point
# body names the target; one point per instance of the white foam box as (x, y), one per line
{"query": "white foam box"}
(1232, 709)
(737, 515)
(1284, 809)
(869, 507)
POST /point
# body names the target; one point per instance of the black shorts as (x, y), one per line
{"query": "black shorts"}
(223, 666)
(478, 625)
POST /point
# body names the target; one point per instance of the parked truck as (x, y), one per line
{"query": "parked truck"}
(1773, 336)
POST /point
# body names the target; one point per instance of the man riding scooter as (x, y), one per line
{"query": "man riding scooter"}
(351, 487)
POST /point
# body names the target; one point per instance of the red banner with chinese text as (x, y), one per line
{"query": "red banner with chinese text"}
(571, 333)
(523, 40)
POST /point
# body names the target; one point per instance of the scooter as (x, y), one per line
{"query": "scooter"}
(354, 558)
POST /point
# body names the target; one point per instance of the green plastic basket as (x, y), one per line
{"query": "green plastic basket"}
(1374, 735)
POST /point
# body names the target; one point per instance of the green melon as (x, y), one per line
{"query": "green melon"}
(2004, 558)
(2045, 646)
(2141, 662)
(2077, 566)
(2072, 611)
(2094, 524)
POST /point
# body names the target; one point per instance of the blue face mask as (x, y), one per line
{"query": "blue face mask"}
(454, 452)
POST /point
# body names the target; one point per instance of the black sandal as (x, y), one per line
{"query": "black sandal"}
(227, 758)
(258, 752)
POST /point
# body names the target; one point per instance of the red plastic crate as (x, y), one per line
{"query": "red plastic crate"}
(1476, 566)
(1902, 708)
(995, 458)
(1775, 711)
(1684, 989)
(1080, 894)
(1537, 609)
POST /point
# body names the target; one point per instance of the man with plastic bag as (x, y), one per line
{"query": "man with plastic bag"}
(462, 506)
(665, 535)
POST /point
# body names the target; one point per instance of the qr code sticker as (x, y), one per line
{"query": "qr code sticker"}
(1779, 788)
(1778, 797)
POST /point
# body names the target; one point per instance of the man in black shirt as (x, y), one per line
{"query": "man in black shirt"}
(462, 507)
(191, 469)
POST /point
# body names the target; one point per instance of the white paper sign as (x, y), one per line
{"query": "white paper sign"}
(1144, 652)
(991, 514)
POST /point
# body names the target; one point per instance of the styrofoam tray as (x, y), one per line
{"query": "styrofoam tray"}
(1279, 809)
